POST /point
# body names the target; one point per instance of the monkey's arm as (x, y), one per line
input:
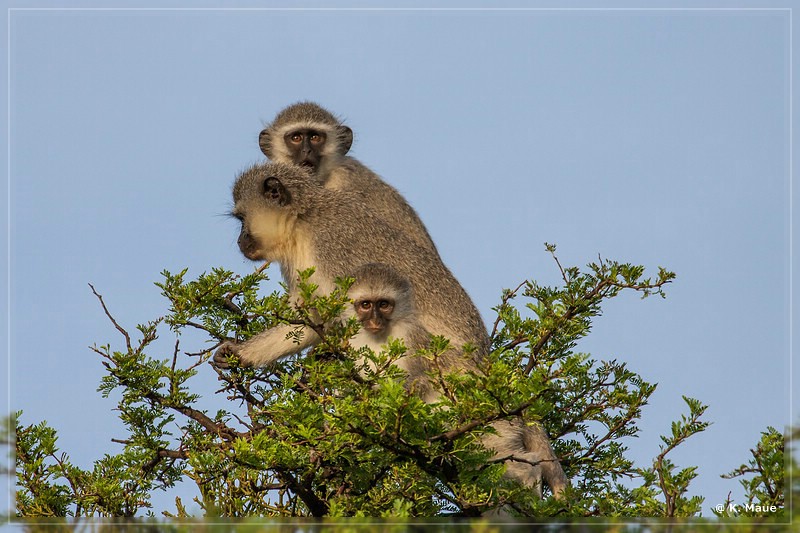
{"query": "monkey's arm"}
(267, 347)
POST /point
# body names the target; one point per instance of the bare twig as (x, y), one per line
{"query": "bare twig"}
(111, 318)
(247, 396)
(505, 299)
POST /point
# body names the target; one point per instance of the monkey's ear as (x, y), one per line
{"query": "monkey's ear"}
(345, 136)
(264, 143)
(275, 191)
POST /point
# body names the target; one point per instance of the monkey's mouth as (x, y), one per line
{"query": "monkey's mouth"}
(307, 164)
(252, 255)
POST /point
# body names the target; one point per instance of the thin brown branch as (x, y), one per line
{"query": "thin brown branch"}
(453, 433)
(74, 485)
(316, 505)
(196, 326)
(515, 458)
(162, 454)
(201, 418)
(757, 456)
(611, 431)
(174, 364)
(268, 487)
(227, 303)
(505, 299)
(440, 379)
(568, 315)
(412, 453)
(173, 454)
(111, 318)
(199, 362)
(247, 396)
(221, 429)
(560, 268)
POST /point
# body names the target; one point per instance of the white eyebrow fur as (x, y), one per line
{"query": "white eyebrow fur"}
(331, 133)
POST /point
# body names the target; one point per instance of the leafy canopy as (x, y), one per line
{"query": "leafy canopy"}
(318, 436)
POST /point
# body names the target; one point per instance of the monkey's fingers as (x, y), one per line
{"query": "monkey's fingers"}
(220, 361)
(223, 354)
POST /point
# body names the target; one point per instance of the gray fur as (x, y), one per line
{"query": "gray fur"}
(527, 454)
(343, 235)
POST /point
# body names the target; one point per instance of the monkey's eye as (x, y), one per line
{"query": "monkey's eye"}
(296, 137)
(384, 304)
(365, 305)
(316, 138)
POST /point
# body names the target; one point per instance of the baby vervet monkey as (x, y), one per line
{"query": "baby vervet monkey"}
(310, 136)
(383, 302)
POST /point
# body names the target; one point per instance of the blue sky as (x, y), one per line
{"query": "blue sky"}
(659, 137)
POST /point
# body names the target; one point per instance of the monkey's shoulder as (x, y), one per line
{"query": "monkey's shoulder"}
(349, 174)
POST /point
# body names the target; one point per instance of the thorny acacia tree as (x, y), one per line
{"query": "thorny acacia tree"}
(312, 437)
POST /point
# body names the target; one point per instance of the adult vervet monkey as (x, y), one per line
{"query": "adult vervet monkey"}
(289, 217)
(310, 136)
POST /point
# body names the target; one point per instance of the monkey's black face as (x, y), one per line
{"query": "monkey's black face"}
(305, 146)
(374, 315)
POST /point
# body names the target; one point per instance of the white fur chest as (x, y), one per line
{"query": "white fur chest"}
(296, 254)
(376, 343)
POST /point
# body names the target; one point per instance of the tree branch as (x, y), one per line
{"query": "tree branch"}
(457, 432)
(111, 318)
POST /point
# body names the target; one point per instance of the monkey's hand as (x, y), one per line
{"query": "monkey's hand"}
(222, 357)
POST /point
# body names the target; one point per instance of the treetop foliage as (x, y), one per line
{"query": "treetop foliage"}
(318, 436)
